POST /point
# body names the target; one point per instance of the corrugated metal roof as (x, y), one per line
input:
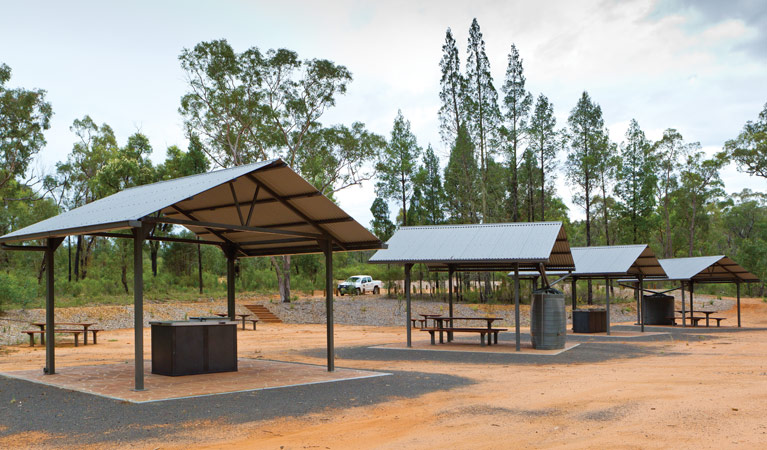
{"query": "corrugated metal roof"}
(713, 269)
(248, 206)
(612, 261)
(477, 247)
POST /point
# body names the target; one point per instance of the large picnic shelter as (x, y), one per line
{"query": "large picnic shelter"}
(260, 209)
(611, 262)
(495, 247)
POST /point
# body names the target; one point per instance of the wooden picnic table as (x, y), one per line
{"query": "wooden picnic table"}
(85, 326)
(692, 313)
(242, 317)
(425, 318)
(440, 322)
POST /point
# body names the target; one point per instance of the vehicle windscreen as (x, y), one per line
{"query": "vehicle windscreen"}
(352, 279)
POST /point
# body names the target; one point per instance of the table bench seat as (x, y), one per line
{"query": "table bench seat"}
(482, 332)
(75, 333)
(253, 321)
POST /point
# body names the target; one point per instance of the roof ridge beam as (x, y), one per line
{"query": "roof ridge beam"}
(213, 226)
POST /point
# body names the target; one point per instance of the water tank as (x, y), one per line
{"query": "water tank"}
(548, 321)
(658, 308)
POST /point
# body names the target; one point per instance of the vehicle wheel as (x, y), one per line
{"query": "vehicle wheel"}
(341, 293)
(358, 291)
(376, 291)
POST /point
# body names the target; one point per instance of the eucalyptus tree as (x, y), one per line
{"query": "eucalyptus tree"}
(701, 184)
(429, 180)
(481, 106)
(461, 180)
(398, 164)
(669, 149)
(452, 90)
(637, 181)
(24, 116)
(517, 102)
(253, 106)
(585, 135)
(749, 149)
(78, 176)
(545, 142)
(606, 166)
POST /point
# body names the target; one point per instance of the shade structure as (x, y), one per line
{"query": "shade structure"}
(483, 247)
(611, 262)
(259, 209)
(704, 269)
(478, 248)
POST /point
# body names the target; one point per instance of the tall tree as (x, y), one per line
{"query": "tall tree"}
(517, 102)
(668, 150)
(381, 225)
(452, 90)
(481, 106)
(429, 181)
(637, 181)
(24, 116)
(398, 165)
(749, 149)
(252, 106)
(701, 184)
(585, 135)
(607, 162)
(461, 180)
(544, 141)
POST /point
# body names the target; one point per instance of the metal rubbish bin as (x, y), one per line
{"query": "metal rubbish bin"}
(658, 309)
(548, 321)
(589, 321)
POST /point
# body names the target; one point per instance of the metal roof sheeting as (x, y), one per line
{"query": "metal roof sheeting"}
(268, 197)
(611, 261)
(477, 247)
(714, 269)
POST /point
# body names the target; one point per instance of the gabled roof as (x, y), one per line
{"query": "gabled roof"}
(612, 261)
(479, 247)
(713, 269)
(261, 209)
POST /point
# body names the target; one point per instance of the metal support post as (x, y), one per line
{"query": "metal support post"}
(518, 337)
(408, 267)
(139, 234)
(50, 355)
(328, 250)
(607, 301)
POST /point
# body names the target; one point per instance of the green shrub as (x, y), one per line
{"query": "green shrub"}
(17, 290)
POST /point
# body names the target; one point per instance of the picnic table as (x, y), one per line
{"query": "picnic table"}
(84, 325)
(424, 318)
(243, 317)
(708, 316)
(444, 324)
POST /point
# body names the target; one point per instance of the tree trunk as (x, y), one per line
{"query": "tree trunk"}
(154, 247)
(199, 266)
(282, 270)
(78, 250)
(124, 277)
(543, 185)
(692, 224)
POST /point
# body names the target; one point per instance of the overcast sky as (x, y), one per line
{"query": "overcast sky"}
(697, 66)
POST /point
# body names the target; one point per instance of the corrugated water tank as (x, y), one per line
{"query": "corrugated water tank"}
(548, 321)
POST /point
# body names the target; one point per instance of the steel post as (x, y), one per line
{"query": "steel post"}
(607, 301)
(518, 337)
(328, 250)
(737, 288)
(408, 267)
(50, 355)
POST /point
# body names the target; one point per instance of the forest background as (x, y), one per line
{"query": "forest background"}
(506, 151)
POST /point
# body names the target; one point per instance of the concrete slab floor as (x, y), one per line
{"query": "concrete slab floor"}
(464, 345)
(116, 380)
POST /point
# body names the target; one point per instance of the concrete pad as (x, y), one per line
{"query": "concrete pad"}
(116, 380)
(472, 346)
(620, 334)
